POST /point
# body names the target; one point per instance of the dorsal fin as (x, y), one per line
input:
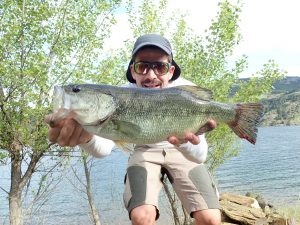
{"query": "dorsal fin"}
(198, 92)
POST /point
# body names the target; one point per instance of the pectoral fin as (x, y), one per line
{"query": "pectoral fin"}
(127, 128)
(126, 147)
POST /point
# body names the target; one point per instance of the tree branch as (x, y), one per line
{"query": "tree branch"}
(59, 32)
(30, 169)
(4, 190)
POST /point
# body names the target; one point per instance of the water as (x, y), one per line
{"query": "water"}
(270, 168)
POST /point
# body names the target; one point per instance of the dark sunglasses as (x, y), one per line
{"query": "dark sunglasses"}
(159, 68)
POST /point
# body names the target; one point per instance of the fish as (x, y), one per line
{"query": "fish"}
(144, 116)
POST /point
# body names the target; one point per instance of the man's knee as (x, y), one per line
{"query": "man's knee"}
(143, 215)
(207, 217)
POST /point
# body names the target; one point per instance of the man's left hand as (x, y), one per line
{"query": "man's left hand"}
(191, 137)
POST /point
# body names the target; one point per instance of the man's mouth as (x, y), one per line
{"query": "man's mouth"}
(151, 84)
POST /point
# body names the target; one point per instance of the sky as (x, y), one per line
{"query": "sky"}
(270, 30)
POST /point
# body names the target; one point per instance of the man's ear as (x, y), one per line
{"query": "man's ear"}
(132, 71)
(171, 72)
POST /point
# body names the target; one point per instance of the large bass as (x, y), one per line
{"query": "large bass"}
(143, 116)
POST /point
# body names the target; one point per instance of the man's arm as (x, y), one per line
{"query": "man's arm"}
(98, 147)
(195, 153)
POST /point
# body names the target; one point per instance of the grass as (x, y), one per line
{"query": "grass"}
(291, 212)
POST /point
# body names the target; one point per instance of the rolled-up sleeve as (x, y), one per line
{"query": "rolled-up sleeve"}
(98, 147)
(195, 153)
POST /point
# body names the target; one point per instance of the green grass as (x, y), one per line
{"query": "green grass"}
(291, 212)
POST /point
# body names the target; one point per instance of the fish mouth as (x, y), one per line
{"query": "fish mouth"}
(58, 98)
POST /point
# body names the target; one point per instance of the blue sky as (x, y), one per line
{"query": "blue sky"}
(270, 30)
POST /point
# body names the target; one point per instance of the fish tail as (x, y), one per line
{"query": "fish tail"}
(247, 118)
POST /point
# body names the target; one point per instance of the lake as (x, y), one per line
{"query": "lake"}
(270, 168)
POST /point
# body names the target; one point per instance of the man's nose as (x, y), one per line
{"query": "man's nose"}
(151, 74)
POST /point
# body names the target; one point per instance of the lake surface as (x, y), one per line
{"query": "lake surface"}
(270, 168)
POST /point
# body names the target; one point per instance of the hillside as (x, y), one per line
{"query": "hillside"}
(288, 84)
(282, 107)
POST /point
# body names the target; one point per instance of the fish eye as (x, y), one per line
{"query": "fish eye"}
(76, 89)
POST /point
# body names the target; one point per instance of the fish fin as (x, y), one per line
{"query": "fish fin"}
(199, 92)
(127, 128)
(247, 118)
(126, 147)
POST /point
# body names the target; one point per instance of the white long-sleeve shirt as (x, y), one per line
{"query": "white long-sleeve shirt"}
(100, 147)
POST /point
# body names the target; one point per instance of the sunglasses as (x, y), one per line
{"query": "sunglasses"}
(159, 68)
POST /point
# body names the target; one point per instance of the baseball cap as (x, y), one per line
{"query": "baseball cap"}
(157, 41)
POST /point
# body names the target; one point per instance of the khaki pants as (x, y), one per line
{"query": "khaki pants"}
(191, 181)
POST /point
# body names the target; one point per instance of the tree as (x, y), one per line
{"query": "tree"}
(42, 43)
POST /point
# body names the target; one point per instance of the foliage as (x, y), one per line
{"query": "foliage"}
(43, 43)
(152, 20)
(256, 87)
(109, 70)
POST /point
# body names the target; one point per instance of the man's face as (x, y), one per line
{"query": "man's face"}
(150, 79)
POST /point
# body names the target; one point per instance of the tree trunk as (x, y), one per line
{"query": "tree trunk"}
(15, 203)
(18, 181)
(94, 210)
(15, 209)
(172, 202)
(187, 219)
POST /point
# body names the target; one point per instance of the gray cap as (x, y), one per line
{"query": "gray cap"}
(152, 40)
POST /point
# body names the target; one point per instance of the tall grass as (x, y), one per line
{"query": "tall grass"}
(291, 212)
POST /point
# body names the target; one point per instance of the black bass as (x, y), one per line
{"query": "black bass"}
(144, 116)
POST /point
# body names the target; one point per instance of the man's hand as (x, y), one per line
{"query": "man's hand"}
(189, 136)
(66, 132)
(193, 138)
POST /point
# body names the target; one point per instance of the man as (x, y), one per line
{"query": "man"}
(152, 66)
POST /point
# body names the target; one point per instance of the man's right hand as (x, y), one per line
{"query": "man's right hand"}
(66, 132)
